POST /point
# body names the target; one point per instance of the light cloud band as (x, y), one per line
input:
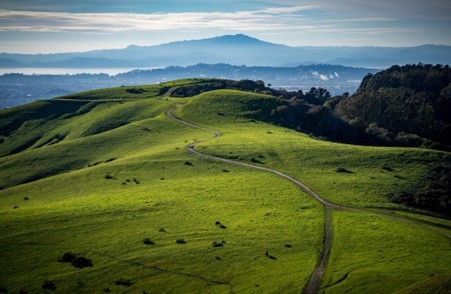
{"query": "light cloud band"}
(271, 19)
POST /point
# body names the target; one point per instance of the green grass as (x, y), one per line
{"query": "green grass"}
(374, 171)
(119, 173)
(439, 284)
(70, 196)
(374, 253)
(134, 92)
(107, 221)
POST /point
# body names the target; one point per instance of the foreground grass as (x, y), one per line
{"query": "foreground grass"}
(371, 253)
(378, 254)
(101, 195)
(109, 221)
(120, 174)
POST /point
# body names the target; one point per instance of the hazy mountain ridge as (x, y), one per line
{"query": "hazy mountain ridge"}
(18, 89)
(234, 49)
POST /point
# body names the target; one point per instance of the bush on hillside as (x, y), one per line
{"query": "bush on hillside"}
(432, 194)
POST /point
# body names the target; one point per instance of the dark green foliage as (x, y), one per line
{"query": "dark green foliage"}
(180, 241)
(135, 91)
(188, 163)
(3, 290)
(48, 285)
(81, 262)
(243, 85)
(123, 282)
(218, 244)
(433, 193)
(387, 168)
(405, 106)
(343, 170)
(317, 120)
(67, 257)
(149, 242)
(219, 225)
(76, 261)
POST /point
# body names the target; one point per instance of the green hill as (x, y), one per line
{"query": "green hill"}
(104, 175)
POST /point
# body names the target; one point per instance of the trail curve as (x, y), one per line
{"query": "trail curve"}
(315, 280)
(316, 277)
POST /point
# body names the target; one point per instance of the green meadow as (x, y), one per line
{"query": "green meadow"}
(105, 175)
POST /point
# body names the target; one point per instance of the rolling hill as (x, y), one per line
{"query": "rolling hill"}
(99, 194)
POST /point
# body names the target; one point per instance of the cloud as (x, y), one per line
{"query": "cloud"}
(269, 19)
(290, 9)
(294, 22)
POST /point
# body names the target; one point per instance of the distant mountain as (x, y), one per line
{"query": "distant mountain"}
(233, 49)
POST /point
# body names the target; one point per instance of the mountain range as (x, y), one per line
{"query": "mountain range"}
(233, 49)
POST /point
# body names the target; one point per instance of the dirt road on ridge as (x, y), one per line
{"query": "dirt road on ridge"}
(317, 275)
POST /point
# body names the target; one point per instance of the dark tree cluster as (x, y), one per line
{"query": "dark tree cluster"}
(433, 193)
(196, 89)
(404, 106)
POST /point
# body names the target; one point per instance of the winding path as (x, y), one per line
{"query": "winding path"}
(316, 277)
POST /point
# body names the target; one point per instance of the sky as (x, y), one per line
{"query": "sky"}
(49, 26)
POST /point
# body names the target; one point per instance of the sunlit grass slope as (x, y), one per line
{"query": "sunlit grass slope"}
(346, 174)
(99, 194)
(97, 173)
(370, 253)
(377, 254)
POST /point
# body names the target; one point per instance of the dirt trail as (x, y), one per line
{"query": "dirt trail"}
(317, 275)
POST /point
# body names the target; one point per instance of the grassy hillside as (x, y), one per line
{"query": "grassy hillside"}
(104, 175)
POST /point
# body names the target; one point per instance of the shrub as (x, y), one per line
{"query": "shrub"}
(67, 257)
(48, 285)
(216, 244)
(387, 168)
(149, 242)
(188, 163)
(180, 241)
(343, 170)
(218, 224)
(81, 262)
(76, 261)
(135, 91)
(122, 282)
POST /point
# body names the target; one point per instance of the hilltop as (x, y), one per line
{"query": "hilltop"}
(18, 89)
(99, 193)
